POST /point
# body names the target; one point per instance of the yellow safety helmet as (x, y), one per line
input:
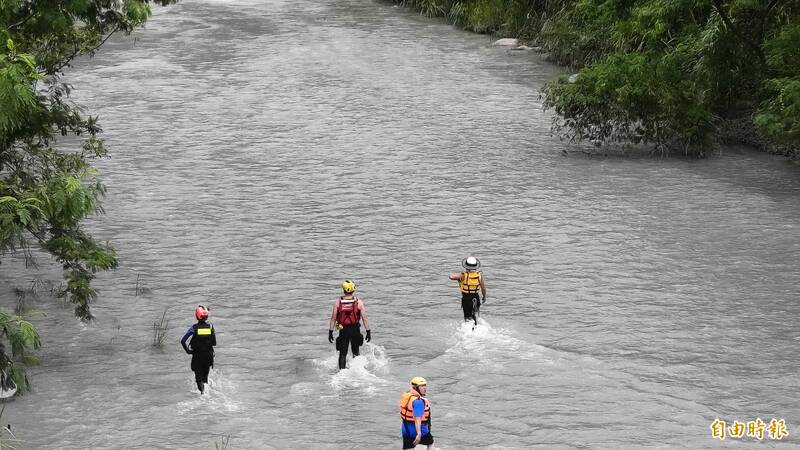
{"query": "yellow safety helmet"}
(418, 381)
(348, 286)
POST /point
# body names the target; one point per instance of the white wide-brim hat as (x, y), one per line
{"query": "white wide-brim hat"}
(471, 263)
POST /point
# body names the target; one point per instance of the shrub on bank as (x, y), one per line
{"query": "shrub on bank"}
(674, 74)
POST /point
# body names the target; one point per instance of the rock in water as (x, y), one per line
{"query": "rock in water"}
(506, 42)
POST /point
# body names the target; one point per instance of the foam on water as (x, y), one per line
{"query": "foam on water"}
(483, 341)
(144, 67)
(364, 372)
(234, 2)
(218, 394)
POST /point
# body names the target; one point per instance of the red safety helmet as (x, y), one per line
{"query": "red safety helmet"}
(201, 312)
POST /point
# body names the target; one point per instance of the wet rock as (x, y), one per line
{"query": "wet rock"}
(522, 48)
(573, 78)
(506, 42)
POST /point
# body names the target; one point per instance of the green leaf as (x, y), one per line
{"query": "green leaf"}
(31, 360)
(29, 334)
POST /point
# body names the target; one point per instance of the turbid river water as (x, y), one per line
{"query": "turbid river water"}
(263, 151)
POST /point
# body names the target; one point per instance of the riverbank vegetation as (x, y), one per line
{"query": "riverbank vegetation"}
(674, 74)
(47, 191)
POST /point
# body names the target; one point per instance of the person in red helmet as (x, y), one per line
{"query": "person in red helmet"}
(201, 346)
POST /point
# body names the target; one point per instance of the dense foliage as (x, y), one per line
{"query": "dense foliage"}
(46, 192)
(672, 73)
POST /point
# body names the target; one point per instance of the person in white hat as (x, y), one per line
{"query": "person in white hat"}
(470, 282)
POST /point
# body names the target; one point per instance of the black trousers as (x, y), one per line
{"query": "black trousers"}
(408, 442)
(349, 336)
(202, 362)
(471, 304)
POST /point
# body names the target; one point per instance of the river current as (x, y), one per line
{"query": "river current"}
(264, 151)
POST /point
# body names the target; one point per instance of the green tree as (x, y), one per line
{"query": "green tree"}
(21, 337)
(669, 72)
(673, 73)
(778, 116)
(46, 192)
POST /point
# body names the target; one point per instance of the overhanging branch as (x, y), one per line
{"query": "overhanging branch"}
(729, 24)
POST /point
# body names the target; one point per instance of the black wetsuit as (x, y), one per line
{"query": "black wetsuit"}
(201, 347)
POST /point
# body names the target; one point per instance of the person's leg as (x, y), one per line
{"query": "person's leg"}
(342, 342)
(198, 379)
(197, 369)
(355, 342)
(210, 366)
(204, 363)
(341, 345)
(466, 306)
(205, 373)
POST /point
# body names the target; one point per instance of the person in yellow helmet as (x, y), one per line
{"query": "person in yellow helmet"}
(348, 312)
(470, 282)
(415, 412)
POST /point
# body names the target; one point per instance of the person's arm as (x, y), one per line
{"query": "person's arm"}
(213, 336)
(186, 337)
(363, 310)
(333, 315)
(418, 426)
(483, 288)
(419, 410)
(456, 276)
(333, 321)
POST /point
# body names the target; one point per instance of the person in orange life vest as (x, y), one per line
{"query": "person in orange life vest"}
(415, 411)
(348, 311)
(201, 347)
(470, 281)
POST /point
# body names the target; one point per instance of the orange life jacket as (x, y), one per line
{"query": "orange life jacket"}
(470, 282)
(347, 313)
(407, 407)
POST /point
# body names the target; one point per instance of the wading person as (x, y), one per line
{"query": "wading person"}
(202, 339)
(470, 282)
(348, 312)
(415, 411)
